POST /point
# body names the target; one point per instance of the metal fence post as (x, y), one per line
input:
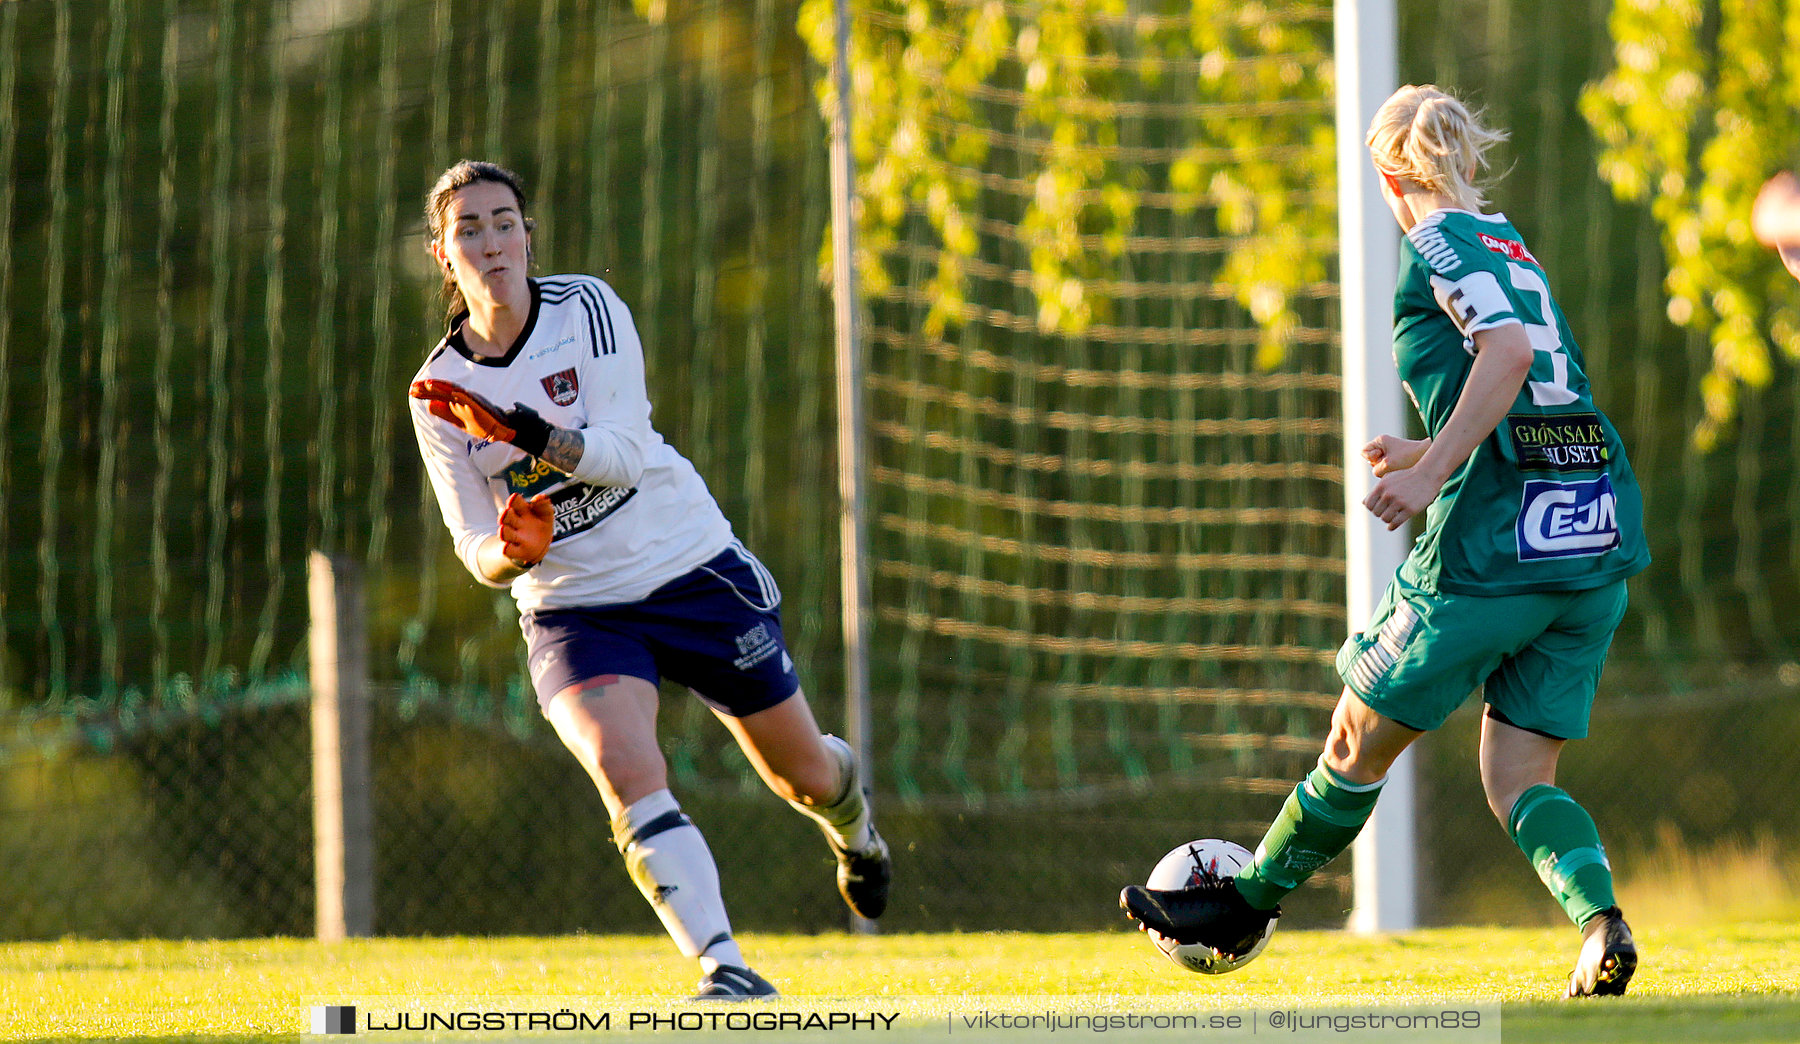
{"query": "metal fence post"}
(343, 821)
(852, 480)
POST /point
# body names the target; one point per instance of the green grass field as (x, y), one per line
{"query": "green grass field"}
(1738, 983)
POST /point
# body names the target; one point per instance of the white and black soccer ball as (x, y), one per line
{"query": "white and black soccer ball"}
(1184, 867)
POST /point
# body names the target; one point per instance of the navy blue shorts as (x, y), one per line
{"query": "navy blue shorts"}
(716, 630)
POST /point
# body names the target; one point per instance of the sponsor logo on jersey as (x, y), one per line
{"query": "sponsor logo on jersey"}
(580, 507)
(562, 386)
(541, 352)
(529, 476)
(1567, 519)
(1571, 442)
(1510, 247)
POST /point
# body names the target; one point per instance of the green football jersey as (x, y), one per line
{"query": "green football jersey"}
(1548, 501)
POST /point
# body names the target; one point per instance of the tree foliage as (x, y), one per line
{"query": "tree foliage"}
(962, 104)
(1702, 106)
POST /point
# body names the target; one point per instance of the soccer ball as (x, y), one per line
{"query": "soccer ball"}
(1183, 867)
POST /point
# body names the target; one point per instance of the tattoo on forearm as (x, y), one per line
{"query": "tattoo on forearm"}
(563, 451)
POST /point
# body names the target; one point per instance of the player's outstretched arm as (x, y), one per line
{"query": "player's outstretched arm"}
(561, 448)
(474, 414)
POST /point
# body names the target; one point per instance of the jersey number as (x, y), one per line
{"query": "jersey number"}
(1544, 338)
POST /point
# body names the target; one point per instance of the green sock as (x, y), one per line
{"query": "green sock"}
(1559, 838)
(1318, 821)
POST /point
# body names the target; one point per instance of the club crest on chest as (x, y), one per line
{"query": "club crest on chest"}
(562, 386)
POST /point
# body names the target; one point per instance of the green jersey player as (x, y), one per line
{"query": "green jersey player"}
(1533, 521)
(1547, 501)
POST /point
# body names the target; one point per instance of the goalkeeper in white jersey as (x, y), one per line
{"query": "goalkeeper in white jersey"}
(534, 424)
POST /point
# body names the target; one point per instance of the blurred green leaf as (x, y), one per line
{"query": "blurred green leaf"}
(1698, 111)
(941, 87)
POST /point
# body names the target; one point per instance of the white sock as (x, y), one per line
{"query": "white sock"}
(671, 865)
(846, 820)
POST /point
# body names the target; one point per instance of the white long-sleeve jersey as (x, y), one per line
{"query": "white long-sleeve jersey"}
(634, 516)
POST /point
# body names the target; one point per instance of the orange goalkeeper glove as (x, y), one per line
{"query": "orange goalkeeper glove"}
(526, 527)
(475, 415)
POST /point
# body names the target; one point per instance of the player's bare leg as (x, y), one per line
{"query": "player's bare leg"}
(785, 747)
(818, 775)
(1512, 762)
(1518, 771)
(1364, 743)
(609, 724)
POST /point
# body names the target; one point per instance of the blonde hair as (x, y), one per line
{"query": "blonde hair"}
(1425, 135)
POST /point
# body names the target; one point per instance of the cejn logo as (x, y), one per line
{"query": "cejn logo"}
(1568, 519)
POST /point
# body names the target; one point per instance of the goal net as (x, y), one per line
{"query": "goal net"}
(1103, 412)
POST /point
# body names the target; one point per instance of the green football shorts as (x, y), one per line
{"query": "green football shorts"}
(1537, 656)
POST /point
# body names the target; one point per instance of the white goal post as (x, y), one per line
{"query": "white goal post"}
(1363, 31)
